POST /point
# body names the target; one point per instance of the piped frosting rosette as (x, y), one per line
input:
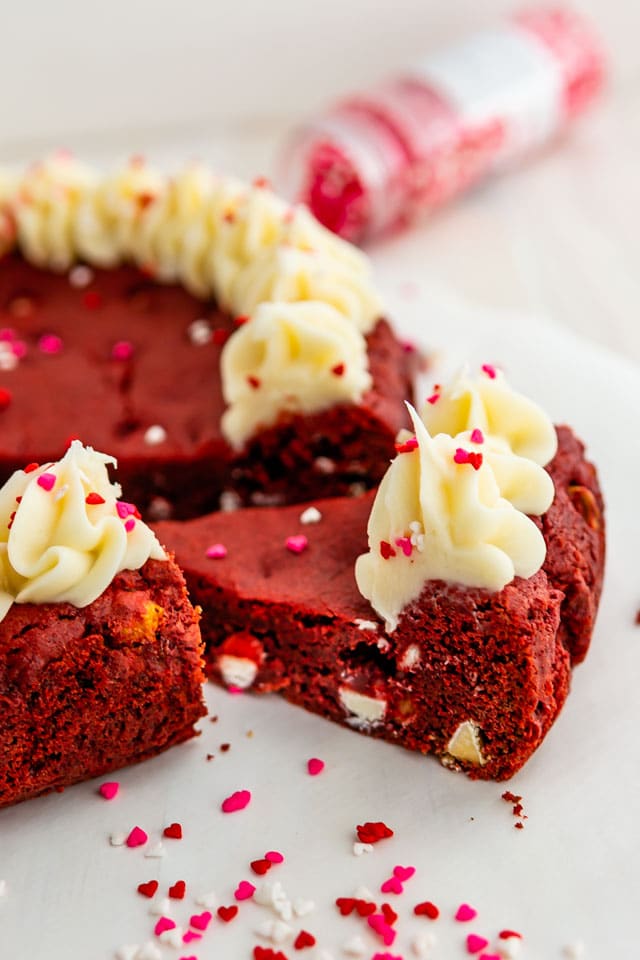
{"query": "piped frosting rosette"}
(65, 533)
(442, 512)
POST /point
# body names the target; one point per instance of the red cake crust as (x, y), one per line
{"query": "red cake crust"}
(500, 661)
(86, 691)
(174, 383)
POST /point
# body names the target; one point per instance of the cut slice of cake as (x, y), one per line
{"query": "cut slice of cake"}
(100, 648)
(454, 635)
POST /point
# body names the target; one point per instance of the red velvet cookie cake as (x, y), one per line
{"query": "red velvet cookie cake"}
(479, 585)
(204, 332)
(100, 649)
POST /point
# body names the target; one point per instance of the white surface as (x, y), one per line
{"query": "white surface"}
(570, 874)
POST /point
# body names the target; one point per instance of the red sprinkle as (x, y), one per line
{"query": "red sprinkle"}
(253, 382)
(338, 370)
(303, 940)
(297, 543)
(268, 953)
(93, 499)
(389, 913)
(241, 320)
(262, 182)
(237, 801)
(178, 890)
(148, 889)
(122, 350)
(5, 398)
(373, 832)
(173, 831)
(433, 398)
(407, 446)
(220, 336)
(30, 467)
(92, 299)
(507, 934)
(427, 909)
(315, 766)
(405, 545)
(465, 456)
(261, 866)
(386, 552)
(227, 913)
(490, 370)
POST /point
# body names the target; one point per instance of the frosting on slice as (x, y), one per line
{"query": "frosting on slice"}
(487, 403)
(290, 358)
(439, 514)
(64, 533)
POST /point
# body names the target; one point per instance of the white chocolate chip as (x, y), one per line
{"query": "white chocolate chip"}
(237, 671)
(310, 515)
(155, 435)
(199, 332)
(364, 709)
(465, 744)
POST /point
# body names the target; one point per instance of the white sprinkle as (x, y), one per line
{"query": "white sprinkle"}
(363, 893)
(80, 276)
(310, 515)
(355, 947)
(4, 889)
(275, 930)
(155, 435)
(365, 624)
(173, 938)
(423, 944)
(127, 952)
(59, 494)
(149, 951)
(324, 955)
(199, 332)
(360, 848)
(573, 951)
(302, 907)
(324, 465)
(155, 851)
(207, 900)
(8, 359)
(284, 909)
(117, 839)
(161, 909)
(229, 501)
(510, 949)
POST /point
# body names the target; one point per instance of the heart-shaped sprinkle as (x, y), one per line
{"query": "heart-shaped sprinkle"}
(373, 832)
(507, 934)
(355, 946)
(489, 956)
(156, 851)
(190, 936)
(47, 481)
(475, 943)
(261, 866)
(427, 909)
(173, 831)
(302, 907)
(385, 956)
(148, 889)
(297, 543)
(465, 913)
(380, 926)
(267, 953)
(109, 790)
(160, 907)
(315, 766)
(303, 940)
(163, 924)
(404, 873)
(392, 885)
(201, 920)
(364, 908)
(178, 890)
(192, 957)
(208, 900)
(237, 801)
(360, 848)
(118, 839)
(137, 837)
(273, 856)
(346, 905)
(244, 890)
(227, 913)
(389, 913)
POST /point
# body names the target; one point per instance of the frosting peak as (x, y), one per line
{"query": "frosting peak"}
(440, 514)
(64, 534)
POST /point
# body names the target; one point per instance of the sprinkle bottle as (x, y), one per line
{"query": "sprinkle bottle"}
(379, 159)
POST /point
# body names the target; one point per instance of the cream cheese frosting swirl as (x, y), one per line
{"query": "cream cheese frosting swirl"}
(194, 228)
(440, 514)
(290, 358)
(65, 533)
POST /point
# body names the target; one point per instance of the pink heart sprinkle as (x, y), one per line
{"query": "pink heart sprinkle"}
(392, 885)
(189, 958)
(201, 920)
(315, 766)
(46, 481)
(405, 545)
(163, 924)
(217, 551)
(137, 837)
(380, 926)
(489, 369)
(273, 856)
(190, 936)
(237, 801)
(489, 956)
(404, 873)
(50, 343)
(109, 790)
(475, 943)
(385, 956)
(124, 509)
(464, 913)
(129, 524)
(244, 890)
(477, 436)
(297, 543)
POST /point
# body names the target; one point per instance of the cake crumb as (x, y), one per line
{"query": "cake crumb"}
(224, 747)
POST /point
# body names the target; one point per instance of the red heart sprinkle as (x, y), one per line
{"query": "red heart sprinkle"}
(267, 953)
(173, 831)
(261, 866)
(346, 905)
(227, 913)
(389, 913)
(373, 832)
(364, 908)
(304, 939)
(427, 909)
(507, 934)
(386, 552)
(148, 889)
(178, 890)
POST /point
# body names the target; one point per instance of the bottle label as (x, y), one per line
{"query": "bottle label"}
(504, 76)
